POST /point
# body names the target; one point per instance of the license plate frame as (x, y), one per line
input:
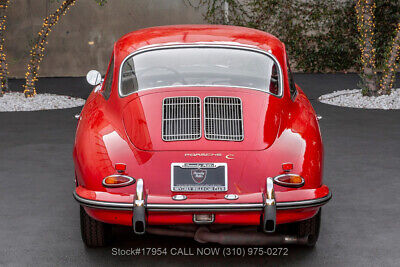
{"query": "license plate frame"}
(193, 174)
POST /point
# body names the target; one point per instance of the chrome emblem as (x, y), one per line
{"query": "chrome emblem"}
(227, 156)
(230, 156)
(203, 155)
(199, 175)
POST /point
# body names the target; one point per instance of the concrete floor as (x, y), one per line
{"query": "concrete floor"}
(39, 220)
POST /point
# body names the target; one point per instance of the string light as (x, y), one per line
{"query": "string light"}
(392, 58)
(37, 51)
(366, 28)
(4, 4)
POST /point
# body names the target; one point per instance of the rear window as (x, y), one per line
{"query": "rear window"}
(200, 66)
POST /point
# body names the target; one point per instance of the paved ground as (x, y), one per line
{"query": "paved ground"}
(39, 221)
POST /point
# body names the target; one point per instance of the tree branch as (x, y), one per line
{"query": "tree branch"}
(366, 27)
(37, 52)
(3, 63)
(389, 71)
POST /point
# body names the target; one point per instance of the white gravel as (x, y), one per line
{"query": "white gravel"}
(354, 99)
(18, 102)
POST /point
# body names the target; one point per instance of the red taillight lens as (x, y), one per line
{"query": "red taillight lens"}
(287, 167)
(118, 181)
(120, 167)
(289, 180)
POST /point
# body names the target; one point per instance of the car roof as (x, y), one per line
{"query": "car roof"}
(192, 34)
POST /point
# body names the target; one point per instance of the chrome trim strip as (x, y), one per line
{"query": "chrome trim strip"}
(304, 203)
(203, 207)
(103, 204)
(203, 45)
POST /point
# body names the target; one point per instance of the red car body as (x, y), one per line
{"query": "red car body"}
(128, 130)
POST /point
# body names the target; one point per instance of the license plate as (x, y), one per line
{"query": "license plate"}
(199, 177)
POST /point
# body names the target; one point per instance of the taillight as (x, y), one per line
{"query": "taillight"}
(289, 180)
(118, 180)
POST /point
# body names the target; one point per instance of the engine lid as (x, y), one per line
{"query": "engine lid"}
(143, 120)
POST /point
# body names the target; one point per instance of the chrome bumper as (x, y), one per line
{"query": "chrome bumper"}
(203, 207)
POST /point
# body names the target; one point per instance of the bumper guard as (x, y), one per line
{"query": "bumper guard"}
(139, 206)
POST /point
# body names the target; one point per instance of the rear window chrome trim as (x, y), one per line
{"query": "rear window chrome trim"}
(202, 45)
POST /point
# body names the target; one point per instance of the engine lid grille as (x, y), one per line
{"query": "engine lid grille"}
(223, 118)
(181, 118)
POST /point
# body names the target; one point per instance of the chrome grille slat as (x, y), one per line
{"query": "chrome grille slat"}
(223, 118)
(181, 118)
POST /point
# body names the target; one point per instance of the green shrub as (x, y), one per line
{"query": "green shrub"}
(320, 35)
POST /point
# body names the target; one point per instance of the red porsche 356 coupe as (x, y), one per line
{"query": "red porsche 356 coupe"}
(199, 131)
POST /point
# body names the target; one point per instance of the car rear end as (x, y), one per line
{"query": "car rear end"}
(232, 160)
